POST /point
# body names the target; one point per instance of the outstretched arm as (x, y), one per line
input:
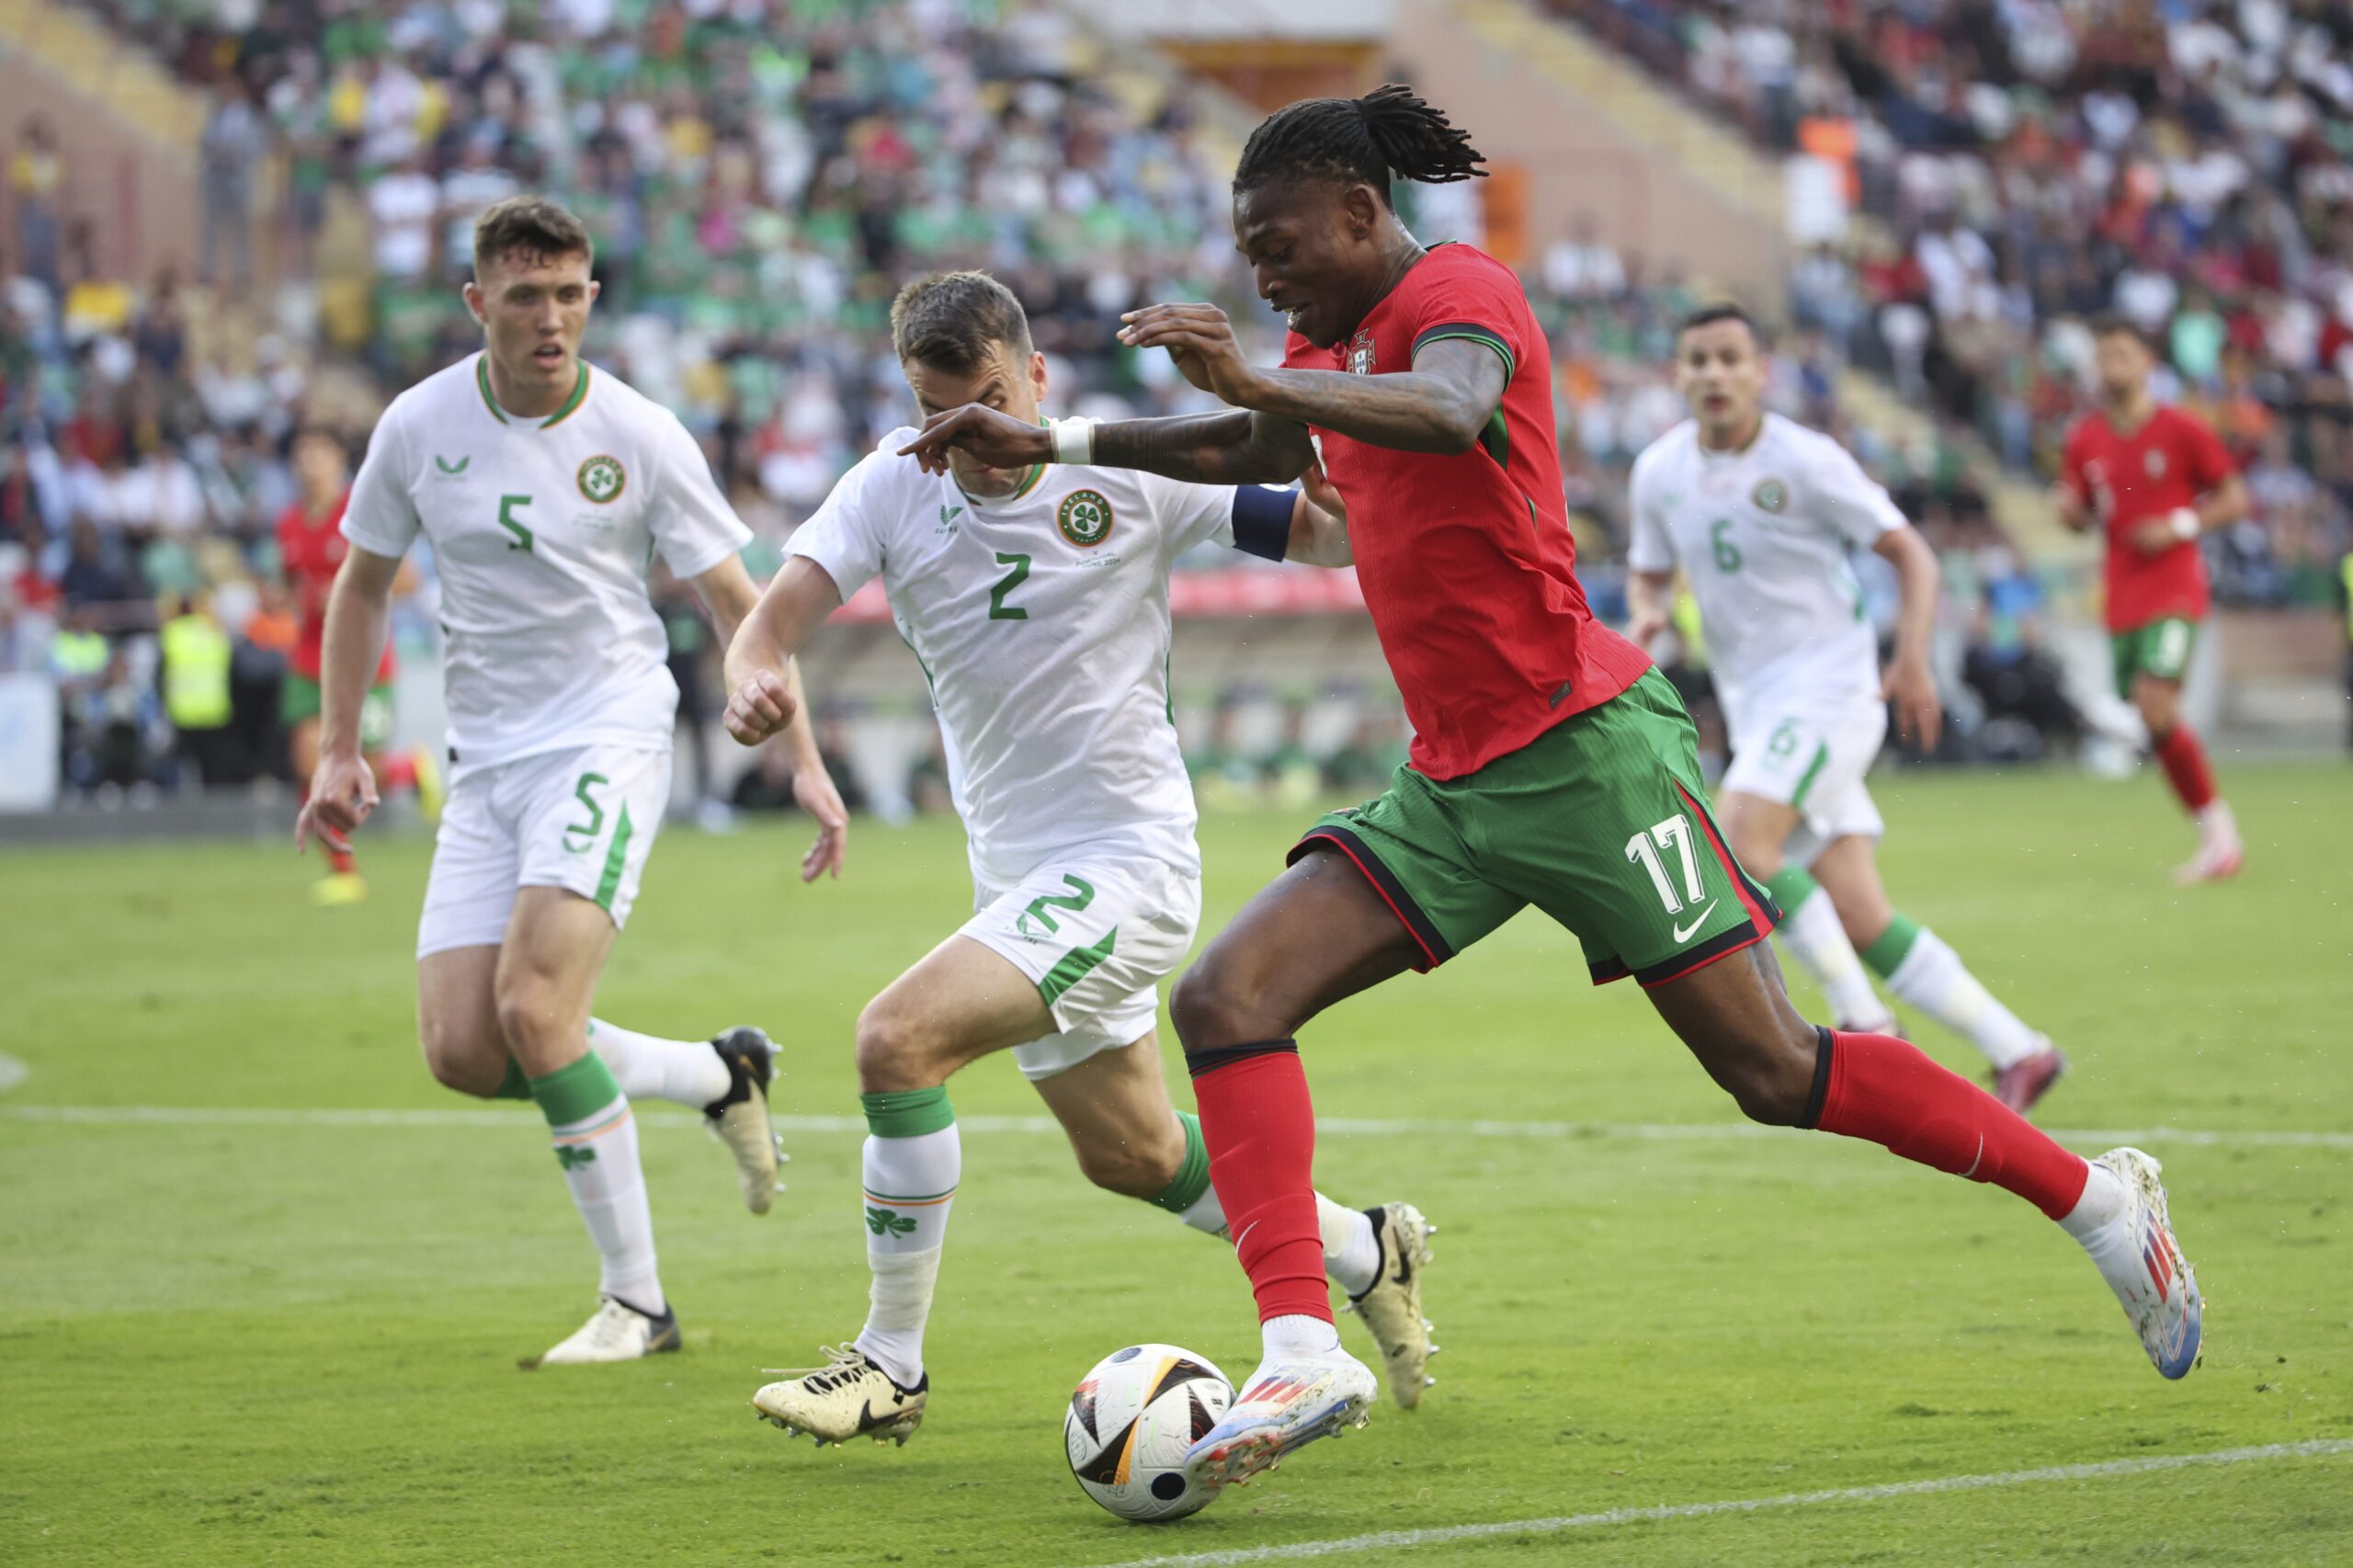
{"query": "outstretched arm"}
(1232, 447)
(1440, 405)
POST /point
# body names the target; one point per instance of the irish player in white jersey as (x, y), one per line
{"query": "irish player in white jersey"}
(1038, 604)
(1761, 513)
(544, 488)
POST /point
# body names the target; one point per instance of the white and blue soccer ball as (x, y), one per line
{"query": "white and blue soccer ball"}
(1130, 1423)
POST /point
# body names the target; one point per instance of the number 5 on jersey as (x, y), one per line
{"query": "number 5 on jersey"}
(508, 506)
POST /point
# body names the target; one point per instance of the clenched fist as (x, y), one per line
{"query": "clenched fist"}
(759, 707)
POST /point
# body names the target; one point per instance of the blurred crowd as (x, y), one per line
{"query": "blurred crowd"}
(762, 175)
(2031, 163)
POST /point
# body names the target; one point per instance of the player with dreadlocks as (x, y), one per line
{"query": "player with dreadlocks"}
(1551, 765)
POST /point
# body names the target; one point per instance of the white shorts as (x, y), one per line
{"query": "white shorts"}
(1813, 759)
(583, 819)
(1096, 932)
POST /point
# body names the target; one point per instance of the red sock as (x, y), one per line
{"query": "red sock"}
(1260, 1129)
(1883, 1089)
(2185, 767)
(342, 862)
(399, 771)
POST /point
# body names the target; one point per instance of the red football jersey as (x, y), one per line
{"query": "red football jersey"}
(310, 552)
(1465, 559)
(2170, 462)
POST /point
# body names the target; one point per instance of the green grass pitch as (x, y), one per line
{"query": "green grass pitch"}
(286, 1336)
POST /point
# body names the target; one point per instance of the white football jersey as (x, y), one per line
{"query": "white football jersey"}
(1042, 621)
(1762, 535)
(543, 530)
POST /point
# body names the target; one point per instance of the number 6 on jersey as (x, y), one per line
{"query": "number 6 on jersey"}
(1675, 833)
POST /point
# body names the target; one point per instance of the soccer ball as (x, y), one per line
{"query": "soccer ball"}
(1130, 1423)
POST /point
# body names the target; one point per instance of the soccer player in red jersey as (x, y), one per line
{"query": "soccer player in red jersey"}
(1552, 765)
(311, 548)
(2154, 478)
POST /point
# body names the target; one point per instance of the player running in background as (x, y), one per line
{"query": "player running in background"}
(1551, 764)
(1759, 513)
(311, 548)
(2153, 479)
(1036, 599)
(544, 488)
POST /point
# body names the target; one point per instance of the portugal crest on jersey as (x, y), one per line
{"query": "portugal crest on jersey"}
(1770, 495)
(602, 479)
(2154, 462)
(1361, 353)
(1085, 518)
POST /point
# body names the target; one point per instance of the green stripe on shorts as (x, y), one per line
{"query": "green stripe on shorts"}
(1812, 771)
(1074, 966)
(616, 860)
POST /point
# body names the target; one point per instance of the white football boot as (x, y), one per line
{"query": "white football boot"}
(848, 1397)
(739, 1119)
(1392, 1305)
(2220, 851)
(2142, 1264)
(618, 1331)
(1289, 1402)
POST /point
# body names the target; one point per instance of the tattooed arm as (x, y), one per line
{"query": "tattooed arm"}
(1232, 447)
(1440, 405)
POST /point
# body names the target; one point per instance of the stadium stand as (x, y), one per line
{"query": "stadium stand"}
(2028, 164)
(760, 179)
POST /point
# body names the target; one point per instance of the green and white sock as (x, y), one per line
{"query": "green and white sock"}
(684, 1071)
(1351, 1252)
(1924, 972)
(1811, 930)
(911, 1163)
(596, 1143)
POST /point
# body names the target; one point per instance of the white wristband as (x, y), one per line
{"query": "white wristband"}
(1073, 440)
(2186, 523)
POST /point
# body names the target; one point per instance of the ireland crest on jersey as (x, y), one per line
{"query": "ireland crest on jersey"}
(1770, 495)
(602, 479)
(1085, 518)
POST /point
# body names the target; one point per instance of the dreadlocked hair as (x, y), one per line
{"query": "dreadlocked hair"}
(1390, 131)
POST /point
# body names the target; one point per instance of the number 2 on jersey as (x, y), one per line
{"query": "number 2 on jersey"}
(1675, 833)
(508, 506)
(998, 608)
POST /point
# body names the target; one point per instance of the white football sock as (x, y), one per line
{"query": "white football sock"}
(686, 1072)
(1811, 930)
(1933, 978)
(596, 1143)
(2096, 1210)
(1351, 1250)
(911, 1163)
(1297, 1335)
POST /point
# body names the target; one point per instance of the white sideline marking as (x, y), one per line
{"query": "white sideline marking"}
(12, 1072)
(1344, 1126)
(1399, 1539)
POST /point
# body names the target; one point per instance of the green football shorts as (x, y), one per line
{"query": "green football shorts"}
(2160, 649)
(298, 699)
(1600, 823)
